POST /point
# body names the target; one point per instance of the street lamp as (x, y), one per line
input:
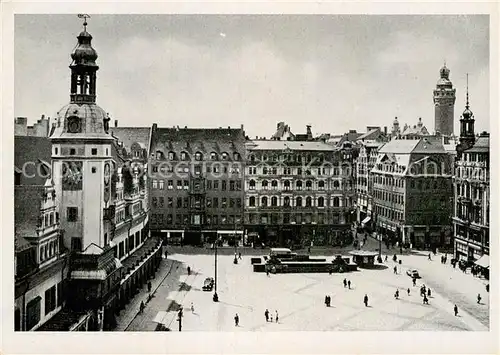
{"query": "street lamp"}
(216, 297)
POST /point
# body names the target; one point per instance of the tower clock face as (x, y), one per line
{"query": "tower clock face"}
(74, 124)
(107, 174)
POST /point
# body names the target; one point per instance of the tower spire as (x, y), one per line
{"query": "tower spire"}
(467, 94)
(84, 17)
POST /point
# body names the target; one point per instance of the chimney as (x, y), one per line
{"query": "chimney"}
(43, 116)
(241, 126)
(309, 133)
(116, 123)
(385, 130)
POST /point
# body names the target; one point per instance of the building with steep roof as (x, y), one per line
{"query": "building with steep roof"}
(283, 132)
(99, 194)
(415, 131)
(40, 129)
(196, 183)
(32, 156)
(471, 180)
(412, 191)
(297, 193)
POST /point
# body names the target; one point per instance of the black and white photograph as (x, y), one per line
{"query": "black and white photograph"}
(251, 173)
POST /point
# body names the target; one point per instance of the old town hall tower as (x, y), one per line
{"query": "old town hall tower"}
(444, 103)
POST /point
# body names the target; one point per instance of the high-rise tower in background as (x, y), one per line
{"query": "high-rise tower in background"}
(444, 103)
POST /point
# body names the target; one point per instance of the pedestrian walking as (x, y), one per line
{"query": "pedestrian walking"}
(455, 309)
(395, 258)
(429, 292)
(478, 298)
(236, 320)
(266, 313)
(365, 300)
(414, 281)
(271, 318)
(149, 287)
(141, 307)
(349, 284)
(386, 257)
(429, 256)
(345, 283)
(277, 316)
(426, 300)
(408, 291)
(395, 269)
(396, 294)
(239, 256)
(326, 300)
(192, 307)
(189, 270)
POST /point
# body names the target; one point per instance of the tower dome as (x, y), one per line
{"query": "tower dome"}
(444, 72)
(82, 118)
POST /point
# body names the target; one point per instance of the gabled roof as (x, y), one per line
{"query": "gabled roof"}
(371, 134)
(29, 150)
(27, 203)
(428, 145)
(292, 145)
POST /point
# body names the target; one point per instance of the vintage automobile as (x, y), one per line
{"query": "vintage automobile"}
(413, 273)
(208, 284)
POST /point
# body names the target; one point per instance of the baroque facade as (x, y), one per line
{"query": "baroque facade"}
(101, 214)
(197, 184)
(297, 192)
(472, 193)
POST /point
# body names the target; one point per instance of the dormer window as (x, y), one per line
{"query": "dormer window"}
(214, 156)
(171, 156)
(159, 155)
(236, 156)
(225, 156)
(198, 156)
(184, 156)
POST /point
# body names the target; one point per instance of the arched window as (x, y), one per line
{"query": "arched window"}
(159, 155)
(336, 184)
(286, 201)
(321, 185)
(274, 184)
(198, 156)
(252, 157)
(286, 184)
(336, 202)
(252, 184)
(225, 156)
(274, 201)
(171, 156)
(308, 185)
(298, 202)
(214, 156)
(308, 201)
(321, 202)
(264, 170)
(51, 219)
(265, 184)
(184, 156)
(298, 184)
(263, 201)
(236, 156)
(251, 201)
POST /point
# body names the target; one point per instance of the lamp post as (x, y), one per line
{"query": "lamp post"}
(216, 297)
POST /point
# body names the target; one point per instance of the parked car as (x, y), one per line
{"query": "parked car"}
(413, 273)
(208, 284)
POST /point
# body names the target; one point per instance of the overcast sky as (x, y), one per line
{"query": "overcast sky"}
(333, 72)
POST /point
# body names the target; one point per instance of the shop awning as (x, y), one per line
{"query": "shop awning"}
(483, 261)
(366, 220)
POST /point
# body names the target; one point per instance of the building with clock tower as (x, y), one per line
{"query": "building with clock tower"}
(102, 203)
(444, 103)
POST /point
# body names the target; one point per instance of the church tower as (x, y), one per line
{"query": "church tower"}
(444, 103)
(81, 155)
(467, 137)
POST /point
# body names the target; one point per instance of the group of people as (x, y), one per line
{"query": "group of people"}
(269, 316)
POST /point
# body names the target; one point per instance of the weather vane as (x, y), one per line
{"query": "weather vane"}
(84, 17)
